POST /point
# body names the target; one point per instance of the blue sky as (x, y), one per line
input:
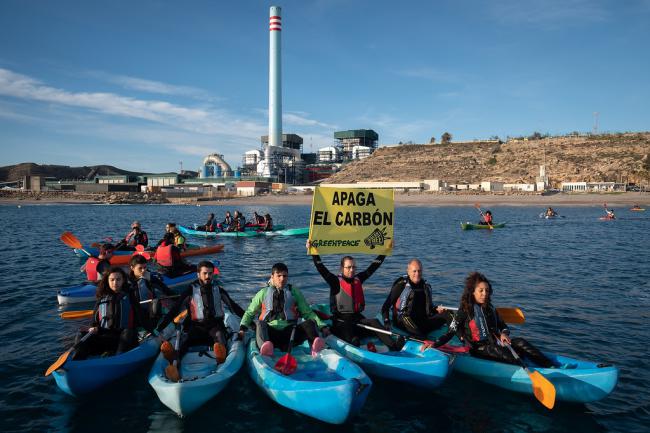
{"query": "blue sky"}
(143, 85)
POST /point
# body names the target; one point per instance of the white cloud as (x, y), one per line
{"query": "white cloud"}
(301, 119)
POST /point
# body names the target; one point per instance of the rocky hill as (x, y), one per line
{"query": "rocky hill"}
(63, 172)
(612, 157)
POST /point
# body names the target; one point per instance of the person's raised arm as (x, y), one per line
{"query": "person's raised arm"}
(363, 276)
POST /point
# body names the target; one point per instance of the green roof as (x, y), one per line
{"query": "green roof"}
(357, 133)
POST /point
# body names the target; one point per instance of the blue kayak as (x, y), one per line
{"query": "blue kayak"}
(250, 232)
(201, 377)
(86, 292)
(425, 369)
(328, 387)
(81, 377)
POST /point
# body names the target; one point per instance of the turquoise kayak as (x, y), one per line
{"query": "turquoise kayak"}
(426, 369)
(81, 377)
(201, 377)
(581, 382)
(470, 226)
(249, 233)
(328, 387)
(303, 231)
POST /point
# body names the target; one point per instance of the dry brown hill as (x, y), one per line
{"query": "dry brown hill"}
(612, 157)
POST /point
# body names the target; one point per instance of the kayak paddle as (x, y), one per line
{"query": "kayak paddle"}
(73, 242)
(287, 364)
(64, 356)
(171, 371)
(543, 389)
(478, 206)
(86, 314)
(507, 314)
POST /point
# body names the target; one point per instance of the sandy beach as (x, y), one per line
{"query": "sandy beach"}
(412, 199)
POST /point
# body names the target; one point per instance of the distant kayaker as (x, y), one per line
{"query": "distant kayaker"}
(96, 266)
(258, 219)
(204, 300)
(226, 223)
(279, 306)
(179, 239)
(411, 302)
(136, 236)
(147, 287)
(115, 318)
(209, 225)
(636, 207)
(169, 259)
(486, 218)
(268, 223)
(478, 324)
(550, 212)
(610, 214)
(347, 300)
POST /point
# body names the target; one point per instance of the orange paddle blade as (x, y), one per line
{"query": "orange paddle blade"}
(171, 372)
(80, 314)
(543, 389)
(59, 362)
(71, 240)
(182, 315)
(511, 315)
(287, 364)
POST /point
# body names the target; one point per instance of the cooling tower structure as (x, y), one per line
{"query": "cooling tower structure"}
(275, 91)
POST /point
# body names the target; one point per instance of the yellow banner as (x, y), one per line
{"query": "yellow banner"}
(352, 221)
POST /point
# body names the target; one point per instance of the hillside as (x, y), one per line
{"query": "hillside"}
(583, 158)
(16, 172)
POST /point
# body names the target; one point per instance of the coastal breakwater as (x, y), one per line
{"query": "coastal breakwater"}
(82, 197)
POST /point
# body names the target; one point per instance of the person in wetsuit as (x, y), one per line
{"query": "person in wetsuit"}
(347, 301)
(478, 324)
(411, 302)
(209, 225)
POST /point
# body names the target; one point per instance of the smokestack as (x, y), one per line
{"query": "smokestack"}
(275, 84)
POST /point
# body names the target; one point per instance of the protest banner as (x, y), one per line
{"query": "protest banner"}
(351, 221)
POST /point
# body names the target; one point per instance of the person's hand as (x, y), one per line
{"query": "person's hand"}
(326, 331)
(92, 330)
(505, 339)
(440, 309)
(308, 244)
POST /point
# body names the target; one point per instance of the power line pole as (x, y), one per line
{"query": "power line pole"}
(181, 164)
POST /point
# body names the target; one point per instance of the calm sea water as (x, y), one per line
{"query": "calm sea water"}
(583, 284)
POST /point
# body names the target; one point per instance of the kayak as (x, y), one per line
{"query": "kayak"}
(640, 209)
(607, 218)
(86, 292)
(425, 369)
(94, 251)
(202, 251)
(327, 387)
(470, 226)
(81, 377)
(201, 377)
(581, 382)
(549, 217)
(303, 231)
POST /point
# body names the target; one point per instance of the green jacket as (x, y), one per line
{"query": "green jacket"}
(255, 307)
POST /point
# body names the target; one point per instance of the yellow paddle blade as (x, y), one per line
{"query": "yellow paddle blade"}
(511, 315)
(71, 240)
(543, 389)
(81, 314)
(58, 363)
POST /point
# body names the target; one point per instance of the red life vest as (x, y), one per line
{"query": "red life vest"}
(350, 298)
(164, 255)
(91, 269)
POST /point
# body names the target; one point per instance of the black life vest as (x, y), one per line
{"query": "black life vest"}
(115, 312)
(404, 304)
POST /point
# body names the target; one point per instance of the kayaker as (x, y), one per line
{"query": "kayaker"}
(179, 239)
(115, 317)
(636, 207)
(280, 305)
(610, 214)
(204, 300)
(258, 219)
(238, 223)
(147, 287)
(136, 236)
(226, 223)
(268, 223)
(550, 212)
(96, 266)
(169, 259)
(347, 301)
(411, 302)
(486, 218)
(478, 324)
(209, 225)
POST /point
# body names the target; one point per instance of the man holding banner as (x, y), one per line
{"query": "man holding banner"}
(351, 221)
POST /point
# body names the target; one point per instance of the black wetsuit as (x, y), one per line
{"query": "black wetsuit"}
(344, 324)
(420, 316)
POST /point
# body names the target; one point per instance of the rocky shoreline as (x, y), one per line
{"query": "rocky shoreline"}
(73, 197)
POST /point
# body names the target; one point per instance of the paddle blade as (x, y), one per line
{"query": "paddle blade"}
(511, 315)
(287, 364)
(477, 205)
(182, 315)
(543, 389)
(81, 314)
(71, 240)
(58, 363)
(171, 372)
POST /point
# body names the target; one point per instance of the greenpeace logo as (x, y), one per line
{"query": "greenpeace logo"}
(376, 238)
